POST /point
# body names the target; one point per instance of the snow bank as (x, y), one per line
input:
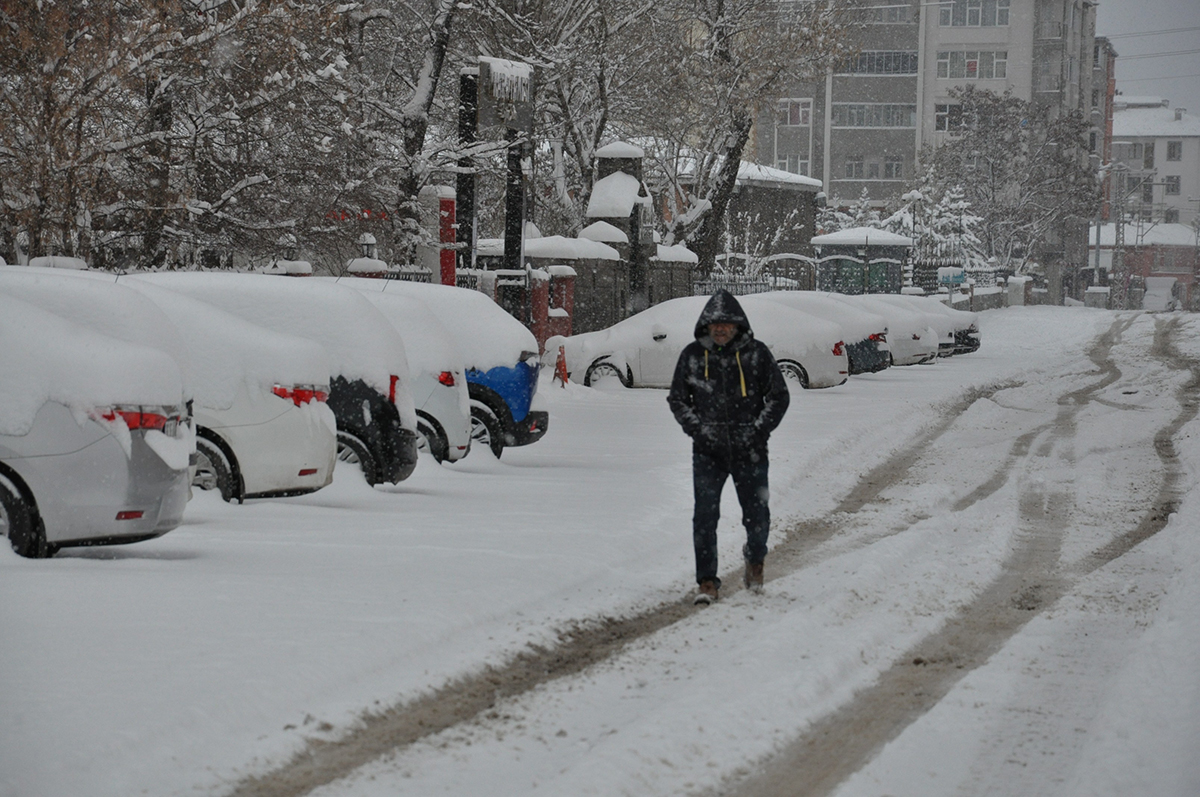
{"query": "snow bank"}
(47, 358)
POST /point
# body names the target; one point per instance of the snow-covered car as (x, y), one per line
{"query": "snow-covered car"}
(910, 339)
(865, 332)
(939, 322)
(642, 350)
(965, 322)
(369, 390)
(94, 436)
(262, 428)
(439, 381)
(501, 358)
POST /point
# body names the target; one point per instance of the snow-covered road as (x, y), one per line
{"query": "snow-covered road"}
(974, 588)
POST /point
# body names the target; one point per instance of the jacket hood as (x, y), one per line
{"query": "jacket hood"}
(723, 307)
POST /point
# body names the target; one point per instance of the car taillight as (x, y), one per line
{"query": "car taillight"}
(879, 337)
(137, 419)
(916, 336)
(392, 389)
(130, 514)
(301, 394)
(839, 349)
(446, 378)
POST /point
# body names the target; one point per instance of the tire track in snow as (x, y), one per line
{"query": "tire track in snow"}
(592, 641)
(841, 743)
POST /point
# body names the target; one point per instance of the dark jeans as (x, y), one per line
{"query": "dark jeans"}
(709, 474)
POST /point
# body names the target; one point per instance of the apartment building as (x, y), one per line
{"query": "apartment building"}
(864, 124)
(1156, 150)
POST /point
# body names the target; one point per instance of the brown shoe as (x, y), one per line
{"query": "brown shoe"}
(707, 593)
(753, 578)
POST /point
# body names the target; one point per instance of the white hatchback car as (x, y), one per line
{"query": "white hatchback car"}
(642, 350)
(94, 438)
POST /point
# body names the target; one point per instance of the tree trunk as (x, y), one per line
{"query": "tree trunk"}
(706, 242)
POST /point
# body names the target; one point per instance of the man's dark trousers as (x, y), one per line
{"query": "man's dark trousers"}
(710, 471)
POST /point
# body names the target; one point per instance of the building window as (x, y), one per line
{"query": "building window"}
(1092, 141)
(1095, 98)
(1171, 215)
(791, 163)
(1148, 191)
(1174, 150)
(851, 114)
(973, 13)
(794, 113)
(881, 62)
(888, 12)
(1172, 185)
(893, 168)
(1148, 156)
(854, 167)
(972, 64)
(947, 118)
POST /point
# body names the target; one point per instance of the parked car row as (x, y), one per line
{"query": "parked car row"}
(818, 339)
(249, 384)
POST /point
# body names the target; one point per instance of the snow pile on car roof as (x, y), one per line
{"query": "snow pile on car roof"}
(360, 342)
(486, 336)
(227, 351)
(857, 324)
(101, 303)
(44, 357)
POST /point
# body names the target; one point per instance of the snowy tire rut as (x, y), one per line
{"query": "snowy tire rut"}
(1029, 475)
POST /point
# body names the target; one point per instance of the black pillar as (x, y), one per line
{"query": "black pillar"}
(468, 125)
(514, 202)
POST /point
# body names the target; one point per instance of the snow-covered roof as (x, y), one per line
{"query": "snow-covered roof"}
(1154, 121)
(282, 266)
(615, 195)
(604, 232)
(620, 149)
(862, 236)
(1158, 234)
(676, 254)
(557, 246)
(770, 177)
(366, 265)
(1135, 101)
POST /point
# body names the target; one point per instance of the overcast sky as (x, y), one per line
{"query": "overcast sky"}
(1176, 77)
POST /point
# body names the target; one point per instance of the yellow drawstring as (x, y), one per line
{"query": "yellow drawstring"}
(737, 355)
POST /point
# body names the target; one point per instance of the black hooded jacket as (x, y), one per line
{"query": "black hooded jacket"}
(730, 398)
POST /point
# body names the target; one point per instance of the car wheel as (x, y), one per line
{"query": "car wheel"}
(354, 451)
(795, 372)
(20, 524)
(485, 429)
(214, 470)
(599, 373)
(431, 440)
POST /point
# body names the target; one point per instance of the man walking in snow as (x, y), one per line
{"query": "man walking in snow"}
(728, 394)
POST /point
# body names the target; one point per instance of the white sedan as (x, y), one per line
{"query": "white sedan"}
(642, 350)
